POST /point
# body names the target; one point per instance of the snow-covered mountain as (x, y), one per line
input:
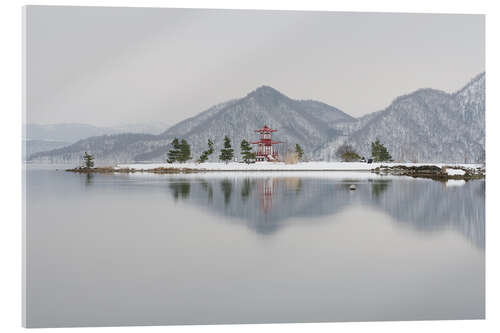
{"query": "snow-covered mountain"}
(44, 137)
(72, 132)
(306, 122)
(427, 125)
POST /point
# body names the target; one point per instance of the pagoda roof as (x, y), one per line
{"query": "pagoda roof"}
(265, 129)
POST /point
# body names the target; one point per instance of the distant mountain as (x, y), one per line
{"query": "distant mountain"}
(40, 138)
(36, 146)
(72, 132)
(152, 127)
(427, 125)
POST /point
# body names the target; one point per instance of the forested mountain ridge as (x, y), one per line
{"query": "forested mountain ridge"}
(427, 125)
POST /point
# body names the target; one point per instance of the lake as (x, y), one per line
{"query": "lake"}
(251, 247)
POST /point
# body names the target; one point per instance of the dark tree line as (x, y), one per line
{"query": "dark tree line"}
(88, 160)
(226, 153)
(246, 152)
(180, 151)
(347, 153)
(205, 154)
(379, 152)
(299, 151)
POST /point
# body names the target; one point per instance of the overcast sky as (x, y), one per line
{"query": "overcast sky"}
(108, 66)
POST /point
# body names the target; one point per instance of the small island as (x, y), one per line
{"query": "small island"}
(110, 169)
(266, 158)
(430, 171)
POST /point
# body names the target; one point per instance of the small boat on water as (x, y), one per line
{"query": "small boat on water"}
(352, 187)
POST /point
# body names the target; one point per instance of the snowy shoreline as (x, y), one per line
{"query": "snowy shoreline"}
(436, 171)
(278, 166)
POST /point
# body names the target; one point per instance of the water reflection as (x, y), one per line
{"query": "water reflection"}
(208, 188)
(180, 188)
(379, 187)
(134, 237)
(88, 179)
(246, 189)
(266, 203)
(267, 188)
(293, 184)
(227, 188)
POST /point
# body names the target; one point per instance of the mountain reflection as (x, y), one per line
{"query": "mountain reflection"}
(266, 203)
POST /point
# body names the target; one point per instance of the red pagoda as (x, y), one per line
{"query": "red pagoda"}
(265, 149)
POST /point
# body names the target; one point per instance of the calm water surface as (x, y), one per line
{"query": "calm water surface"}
(149, 249)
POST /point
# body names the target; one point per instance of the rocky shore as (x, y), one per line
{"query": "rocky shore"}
(432, 172)
(437, 172)
(131, 170)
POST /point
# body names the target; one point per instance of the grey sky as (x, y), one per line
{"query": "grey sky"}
(108, 66)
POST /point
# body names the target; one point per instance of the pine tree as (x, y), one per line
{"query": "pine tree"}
(246, 151)
(299, 151)
(347, 153)
(203, 157)
(380, 152)
(206, 153)
(174, 153)
(185, 151)
(89, 160)
(226, 154)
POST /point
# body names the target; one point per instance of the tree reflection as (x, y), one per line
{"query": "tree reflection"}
(379, 187)
(181, 189)
(89, 179)
(246, 189)
(227, 188)
(208, 188)
(265, 203)
(293, 184)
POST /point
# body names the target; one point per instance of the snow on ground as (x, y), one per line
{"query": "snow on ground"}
(259, 166)
(279, 166)
(455, 172)
(337, 175)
